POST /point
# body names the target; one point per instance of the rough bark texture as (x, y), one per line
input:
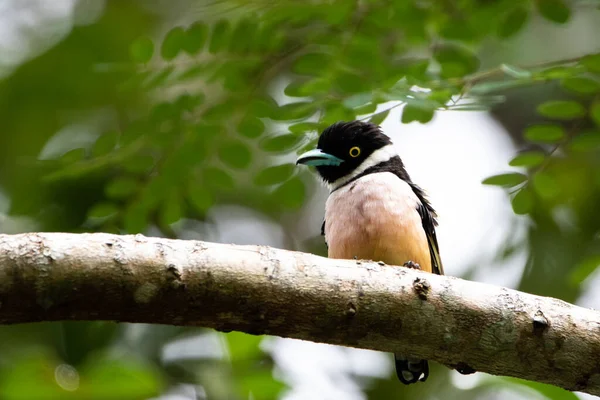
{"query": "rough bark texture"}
(261, 290)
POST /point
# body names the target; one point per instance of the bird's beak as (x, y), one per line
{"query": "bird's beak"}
(318, 158)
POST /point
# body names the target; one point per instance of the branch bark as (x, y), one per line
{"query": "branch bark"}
(261, 290)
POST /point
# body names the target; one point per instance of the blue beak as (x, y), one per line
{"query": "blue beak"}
(318, 158)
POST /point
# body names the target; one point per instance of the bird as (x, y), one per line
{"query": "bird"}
(374, 210)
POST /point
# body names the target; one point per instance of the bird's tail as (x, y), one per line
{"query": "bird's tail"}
(410, 370)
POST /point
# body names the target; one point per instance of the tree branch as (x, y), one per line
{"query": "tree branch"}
(261, 290)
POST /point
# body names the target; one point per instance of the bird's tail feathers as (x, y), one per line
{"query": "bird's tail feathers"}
(411, 370)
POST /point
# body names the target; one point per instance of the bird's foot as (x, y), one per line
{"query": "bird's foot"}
(412, 265)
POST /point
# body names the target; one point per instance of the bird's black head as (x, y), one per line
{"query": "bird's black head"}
(344, 147)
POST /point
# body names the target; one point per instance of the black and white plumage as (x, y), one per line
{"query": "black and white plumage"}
(374, 211)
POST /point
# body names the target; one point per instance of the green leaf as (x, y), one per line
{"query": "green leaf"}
(591, 62)
(595, 112)
(490, 87)
(505, 180)
(235, 154)
(584, 269)
(554, 10)
(159, 78)
(173, 43)
(141, 50)
(220, 36)
(515, 72)
(263, 107)
(136, 218)
(546, 133)
(581, 85)
(528, 159)
(251, 127)
(417, 112)
(311, 64)
(280, 143)
(585, 141)
(72, 156)
(171, 210)
(350, 83)
(522, 202)
(291, 194)
(513, 22)
(105, 143)
(378, 118)
(561, 109)
(217, 178)
(293, 111)
(121, 187)
(303, 127)
(273, 175)
(545, 185)
(195, 37)
(138, 164)
(357, 100)
(103, 210)
(455, 61)
(243, 35)
(200, 198)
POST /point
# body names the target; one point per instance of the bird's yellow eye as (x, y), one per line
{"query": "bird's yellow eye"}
(355, 151)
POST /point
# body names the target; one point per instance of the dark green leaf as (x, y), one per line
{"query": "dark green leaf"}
(200, 197)
(505, 180)
(291, 194)
(584, 269)
(195, 37)
(513, 22)
(235, 154)
(173, 43)
(378, 118)
(591, 62)
(217, 178)
(546, 133)
(171, 210)
(138, 164)
(292, 111)
(121, 187)
(545, 185)
(561, 109)
(274, 175)
(581, 85)
(420, 112)
(72, 156)
(528, 159)
(243, 35)
(585, 141)
(304, 127)
(220, 36)
(103, 210)
(136, 218)
(251, 127)
(280, 143)
(349, 83)
(105, 143)
(311, 64)
(554, 10)
(141, 50)
(263, 107)
(522, 202)
(335, 112)
(595, 112)
(455, 61)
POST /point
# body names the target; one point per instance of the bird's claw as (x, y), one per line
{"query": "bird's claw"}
(412, 265)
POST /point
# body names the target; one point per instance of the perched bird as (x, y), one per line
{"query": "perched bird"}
(374, 211)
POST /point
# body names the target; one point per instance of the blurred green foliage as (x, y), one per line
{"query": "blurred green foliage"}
(138, 122)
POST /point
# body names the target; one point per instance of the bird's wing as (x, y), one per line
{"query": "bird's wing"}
(323, 232)
(429, 224)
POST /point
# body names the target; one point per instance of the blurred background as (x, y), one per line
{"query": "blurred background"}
(183, 119)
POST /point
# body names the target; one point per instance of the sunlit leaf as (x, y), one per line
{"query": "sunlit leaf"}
(141, 50)
(195, 37)
(585, 141)
(581, 85)
(528, 159)
(173, 43)
(291, 194)
(545, 133)
(235, 154)
(561, 109)
(545, 185)
(554, 10)
(513, 22)
(522, 202)
(274, 175)
(505, 180)
(121, 187)
(280, 143)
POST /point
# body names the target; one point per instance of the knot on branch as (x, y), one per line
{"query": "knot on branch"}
(540, 323)
(421, 287)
